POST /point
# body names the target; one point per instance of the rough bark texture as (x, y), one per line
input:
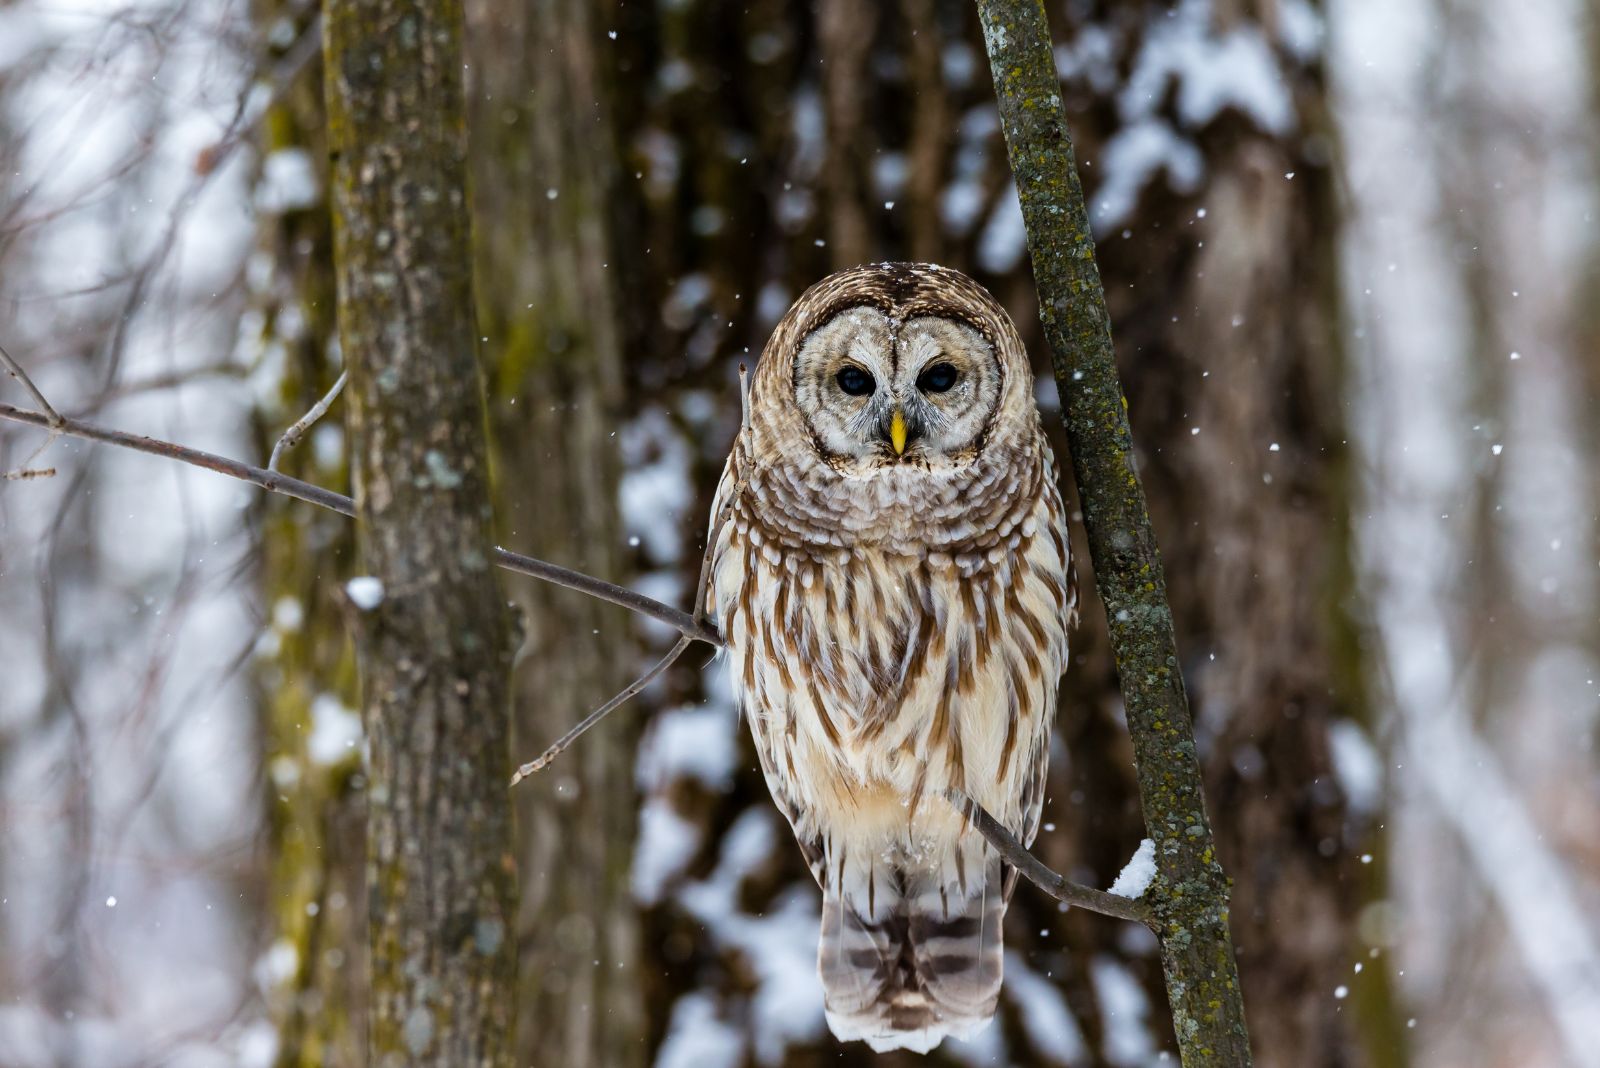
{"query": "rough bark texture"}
(545, 163)
(435, 652)
(1191, 894)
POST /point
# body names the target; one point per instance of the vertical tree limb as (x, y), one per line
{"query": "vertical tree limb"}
(435, 651)
(1190, 898)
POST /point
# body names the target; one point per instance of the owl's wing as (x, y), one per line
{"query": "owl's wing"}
(1050, 562)
(718, 536)
(727, 568)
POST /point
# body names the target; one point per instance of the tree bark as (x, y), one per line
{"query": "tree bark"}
(545, 164)
(1190, 896)
(434, 650)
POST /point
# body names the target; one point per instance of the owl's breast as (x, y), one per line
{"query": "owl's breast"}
(871, 677)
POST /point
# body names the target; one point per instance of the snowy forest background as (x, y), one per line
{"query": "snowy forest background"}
(1354, 265)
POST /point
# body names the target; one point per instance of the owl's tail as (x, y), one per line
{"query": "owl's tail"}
(903, 965)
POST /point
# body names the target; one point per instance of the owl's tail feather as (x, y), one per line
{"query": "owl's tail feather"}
(914, 965)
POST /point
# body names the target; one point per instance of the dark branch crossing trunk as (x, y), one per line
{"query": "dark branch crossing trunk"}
(435, 649)
(1190, 896)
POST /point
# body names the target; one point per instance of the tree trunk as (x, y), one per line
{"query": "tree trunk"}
(433, 642)
(1190, 897)
(545, 161)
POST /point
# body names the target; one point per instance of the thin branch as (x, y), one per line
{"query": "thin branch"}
(744, 397)
(602, 712)
(292, 436)
(699, 609)
(16, 371)
(1197, 957)
(1084, 897)
(677, 619)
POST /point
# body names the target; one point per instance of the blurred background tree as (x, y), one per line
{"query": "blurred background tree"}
(1324, 233)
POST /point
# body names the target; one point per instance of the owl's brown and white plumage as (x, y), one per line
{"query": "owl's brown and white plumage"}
(889, 568)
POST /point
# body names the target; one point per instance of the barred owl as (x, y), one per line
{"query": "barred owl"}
(889, 568)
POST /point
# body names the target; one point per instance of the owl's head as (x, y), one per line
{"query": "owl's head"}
(894, 367)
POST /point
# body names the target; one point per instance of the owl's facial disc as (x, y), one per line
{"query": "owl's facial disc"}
(878, 392)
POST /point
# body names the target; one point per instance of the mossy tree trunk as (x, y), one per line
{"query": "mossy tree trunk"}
(545, 162)
(1190, 896)
(313, 796)
(434, 647)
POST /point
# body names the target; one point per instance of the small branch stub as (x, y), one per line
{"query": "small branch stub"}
(292, 436)
(1037, 873)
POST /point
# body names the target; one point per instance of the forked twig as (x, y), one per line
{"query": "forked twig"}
(292, 436)
(15, 370)
(602, 712)
(1037, 873)
(23, 472)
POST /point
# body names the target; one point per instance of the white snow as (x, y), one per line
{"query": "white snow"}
(1092, 55)
(1131, 158)
(1051, 1027)
(695, 742)
(667, 843)
(1212, 71)
(655, 489)
(335, 730)
(780, 946)
(288, 182)
(365, 592)
(1004, 239)
(696, 1038)
(1137, 875)
(1357, 765)
(1123, 1008)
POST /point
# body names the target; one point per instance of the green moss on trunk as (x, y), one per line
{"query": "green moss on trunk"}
(1191, 894)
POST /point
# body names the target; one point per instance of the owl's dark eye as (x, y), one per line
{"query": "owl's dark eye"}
(938, 378)
(856, 382)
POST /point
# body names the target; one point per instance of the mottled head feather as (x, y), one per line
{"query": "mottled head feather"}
(805, 494)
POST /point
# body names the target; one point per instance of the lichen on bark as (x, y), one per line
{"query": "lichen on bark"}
(435, 651)
(1190, 896)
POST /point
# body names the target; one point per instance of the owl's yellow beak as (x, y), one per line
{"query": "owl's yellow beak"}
(897, 432)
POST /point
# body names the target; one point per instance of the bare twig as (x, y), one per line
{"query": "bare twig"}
(602, 712)
(15, 370)
(1084, 897)
(744, 397)
(677, 619)
(292, 436)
